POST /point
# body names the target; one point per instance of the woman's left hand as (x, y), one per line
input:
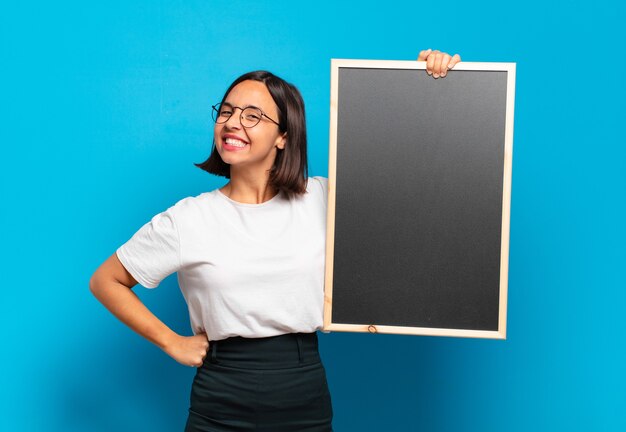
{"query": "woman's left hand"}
(438, 63)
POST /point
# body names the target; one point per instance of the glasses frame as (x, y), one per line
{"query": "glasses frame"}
(216, 112)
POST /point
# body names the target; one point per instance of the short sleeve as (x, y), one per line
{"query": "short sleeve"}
(153, 252)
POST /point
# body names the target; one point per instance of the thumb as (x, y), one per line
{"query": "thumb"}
(424, 54)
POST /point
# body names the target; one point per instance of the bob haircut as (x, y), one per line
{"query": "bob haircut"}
(289, 173)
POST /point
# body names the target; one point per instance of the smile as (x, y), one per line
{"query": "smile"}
(235, 143)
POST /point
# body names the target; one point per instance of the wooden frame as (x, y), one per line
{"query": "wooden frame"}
(329, 325)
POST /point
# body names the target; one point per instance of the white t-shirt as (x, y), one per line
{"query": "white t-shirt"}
(251, 270)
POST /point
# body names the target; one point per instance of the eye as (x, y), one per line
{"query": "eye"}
(225, 112)
(252, 115)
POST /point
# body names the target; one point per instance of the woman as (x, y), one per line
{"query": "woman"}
(250, 262)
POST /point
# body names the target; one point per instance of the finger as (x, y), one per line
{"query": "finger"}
(430, 62)
(437, 66)
(455, 59)
(191, 363)
(199, 362)
(423, 54)
(445, 60)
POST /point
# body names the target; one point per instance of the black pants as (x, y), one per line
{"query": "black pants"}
(274, 384)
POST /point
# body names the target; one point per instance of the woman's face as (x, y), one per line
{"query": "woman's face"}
(249, 148)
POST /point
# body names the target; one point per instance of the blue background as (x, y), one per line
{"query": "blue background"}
(106, 106)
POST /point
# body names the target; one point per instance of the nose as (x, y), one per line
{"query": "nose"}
(234, 121)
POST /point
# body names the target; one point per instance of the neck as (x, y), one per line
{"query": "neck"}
(248, 189)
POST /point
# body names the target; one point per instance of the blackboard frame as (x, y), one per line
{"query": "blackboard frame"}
(373, 327)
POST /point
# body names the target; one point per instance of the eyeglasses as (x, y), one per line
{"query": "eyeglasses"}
(249, 118)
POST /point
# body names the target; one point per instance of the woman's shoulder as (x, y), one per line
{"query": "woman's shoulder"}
(317, 190)
(317, 184)
(192, 204)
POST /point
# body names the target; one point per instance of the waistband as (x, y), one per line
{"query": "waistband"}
(275, 352)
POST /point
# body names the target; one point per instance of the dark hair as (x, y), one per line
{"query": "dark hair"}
(289, 173)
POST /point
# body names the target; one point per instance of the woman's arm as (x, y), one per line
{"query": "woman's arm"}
(112, 285)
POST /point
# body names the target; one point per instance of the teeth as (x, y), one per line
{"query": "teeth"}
(235, 142)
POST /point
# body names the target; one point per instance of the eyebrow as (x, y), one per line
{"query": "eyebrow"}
(243, 107)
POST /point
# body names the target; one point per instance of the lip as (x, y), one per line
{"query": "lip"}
(229, 147)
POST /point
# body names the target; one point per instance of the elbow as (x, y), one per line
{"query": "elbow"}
(97, 283)
(93, 284)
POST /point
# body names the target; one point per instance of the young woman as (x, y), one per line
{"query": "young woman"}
(250, 263)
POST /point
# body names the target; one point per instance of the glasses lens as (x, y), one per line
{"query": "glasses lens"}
(221, 113)
(250, 117)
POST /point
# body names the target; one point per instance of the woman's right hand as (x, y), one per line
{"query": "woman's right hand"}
(188, 350)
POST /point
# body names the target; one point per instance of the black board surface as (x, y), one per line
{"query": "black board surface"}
(419, 198)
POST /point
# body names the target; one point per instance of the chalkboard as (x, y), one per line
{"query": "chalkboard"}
(419, 198)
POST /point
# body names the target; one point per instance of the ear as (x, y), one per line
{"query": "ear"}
(281, 141)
